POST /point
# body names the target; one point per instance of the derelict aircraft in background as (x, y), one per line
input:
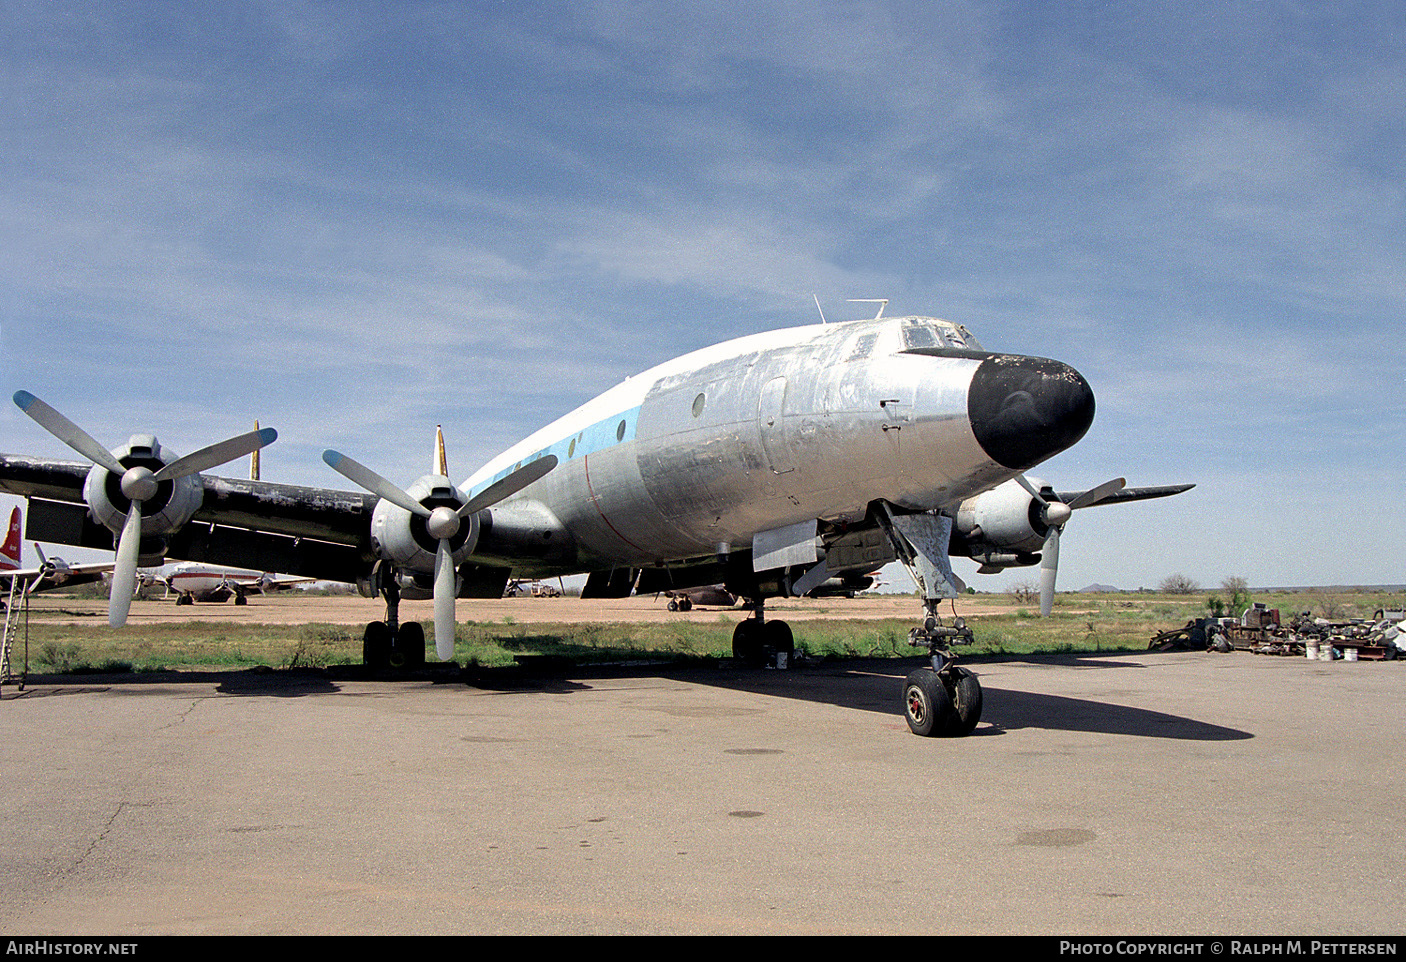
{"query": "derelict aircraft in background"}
(51, 573)
(769, 464)
(191, 582)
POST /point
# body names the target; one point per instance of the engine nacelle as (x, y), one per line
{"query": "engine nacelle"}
(404, 540)
(994, 561)
(1000, 524)
(163, 514)
(843, 587)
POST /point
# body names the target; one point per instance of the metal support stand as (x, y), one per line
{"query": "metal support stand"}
(14, 614)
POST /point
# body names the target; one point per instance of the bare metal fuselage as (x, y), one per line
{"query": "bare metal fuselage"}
(699, 456)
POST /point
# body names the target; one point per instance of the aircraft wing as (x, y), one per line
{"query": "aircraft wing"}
(317, 533)
(49, 576)
(269, 583)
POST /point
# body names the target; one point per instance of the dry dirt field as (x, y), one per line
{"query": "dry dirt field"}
(296, 608)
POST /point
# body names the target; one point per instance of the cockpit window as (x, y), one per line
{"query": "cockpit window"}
(921, 335)
(928, 334)
(968, 341)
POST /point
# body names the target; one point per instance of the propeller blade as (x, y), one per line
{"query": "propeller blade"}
(67, 432)
(1031, 489)
(124, 572)
(509, 486)
(216, 454)
(1049, 569)
(444, 602)
(1054, 513)
(1095, 495)
(373, 482)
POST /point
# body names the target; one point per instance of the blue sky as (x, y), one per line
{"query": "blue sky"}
(356, 221)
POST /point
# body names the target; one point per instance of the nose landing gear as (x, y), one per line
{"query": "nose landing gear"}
(944, 700)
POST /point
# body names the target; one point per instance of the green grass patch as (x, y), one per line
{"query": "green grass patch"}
(1079, 623)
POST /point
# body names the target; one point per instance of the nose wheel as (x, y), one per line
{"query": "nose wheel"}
(944, 700)
(942, 704)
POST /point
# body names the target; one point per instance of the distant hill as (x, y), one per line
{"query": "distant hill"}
(1098, 589)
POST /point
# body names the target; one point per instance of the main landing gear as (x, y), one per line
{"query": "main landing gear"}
(756, 641)
(944, 700)
(940, 701)
(389, 644)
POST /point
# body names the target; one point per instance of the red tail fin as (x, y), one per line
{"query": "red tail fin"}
(10, 552)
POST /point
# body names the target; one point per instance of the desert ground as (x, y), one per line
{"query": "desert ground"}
(301, 608)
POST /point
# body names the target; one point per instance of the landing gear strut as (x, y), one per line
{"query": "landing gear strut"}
(756, 640)
(943, 700)
(389, 644)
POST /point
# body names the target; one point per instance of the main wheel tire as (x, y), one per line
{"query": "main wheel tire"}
(376, 646)
(747, 642)
(965, 692)
(926, 703)
(411, 643)
(777, 636)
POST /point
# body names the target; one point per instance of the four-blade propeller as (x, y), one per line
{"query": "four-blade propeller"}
(139, 484)
(442, 523)
(1055, 515)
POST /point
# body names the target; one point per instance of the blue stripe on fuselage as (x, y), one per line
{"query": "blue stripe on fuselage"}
(597, 437)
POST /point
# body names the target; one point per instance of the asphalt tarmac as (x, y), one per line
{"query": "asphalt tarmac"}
(1164, 794)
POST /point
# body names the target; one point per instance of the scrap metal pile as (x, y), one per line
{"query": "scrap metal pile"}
(1259, 631)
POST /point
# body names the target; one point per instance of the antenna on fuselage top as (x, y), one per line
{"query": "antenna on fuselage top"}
(819, 308)
(254, 459)
(883, 302)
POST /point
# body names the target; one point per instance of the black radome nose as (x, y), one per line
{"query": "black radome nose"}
(1026, 409)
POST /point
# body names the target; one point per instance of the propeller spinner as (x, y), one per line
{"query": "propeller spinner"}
(138, 483)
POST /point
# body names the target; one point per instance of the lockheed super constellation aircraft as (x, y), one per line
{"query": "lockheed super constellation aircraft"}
(192, 582)
(770, 464)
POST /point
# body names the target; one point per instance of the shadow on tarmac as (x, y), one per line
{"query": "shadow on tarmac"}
(872, 685)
